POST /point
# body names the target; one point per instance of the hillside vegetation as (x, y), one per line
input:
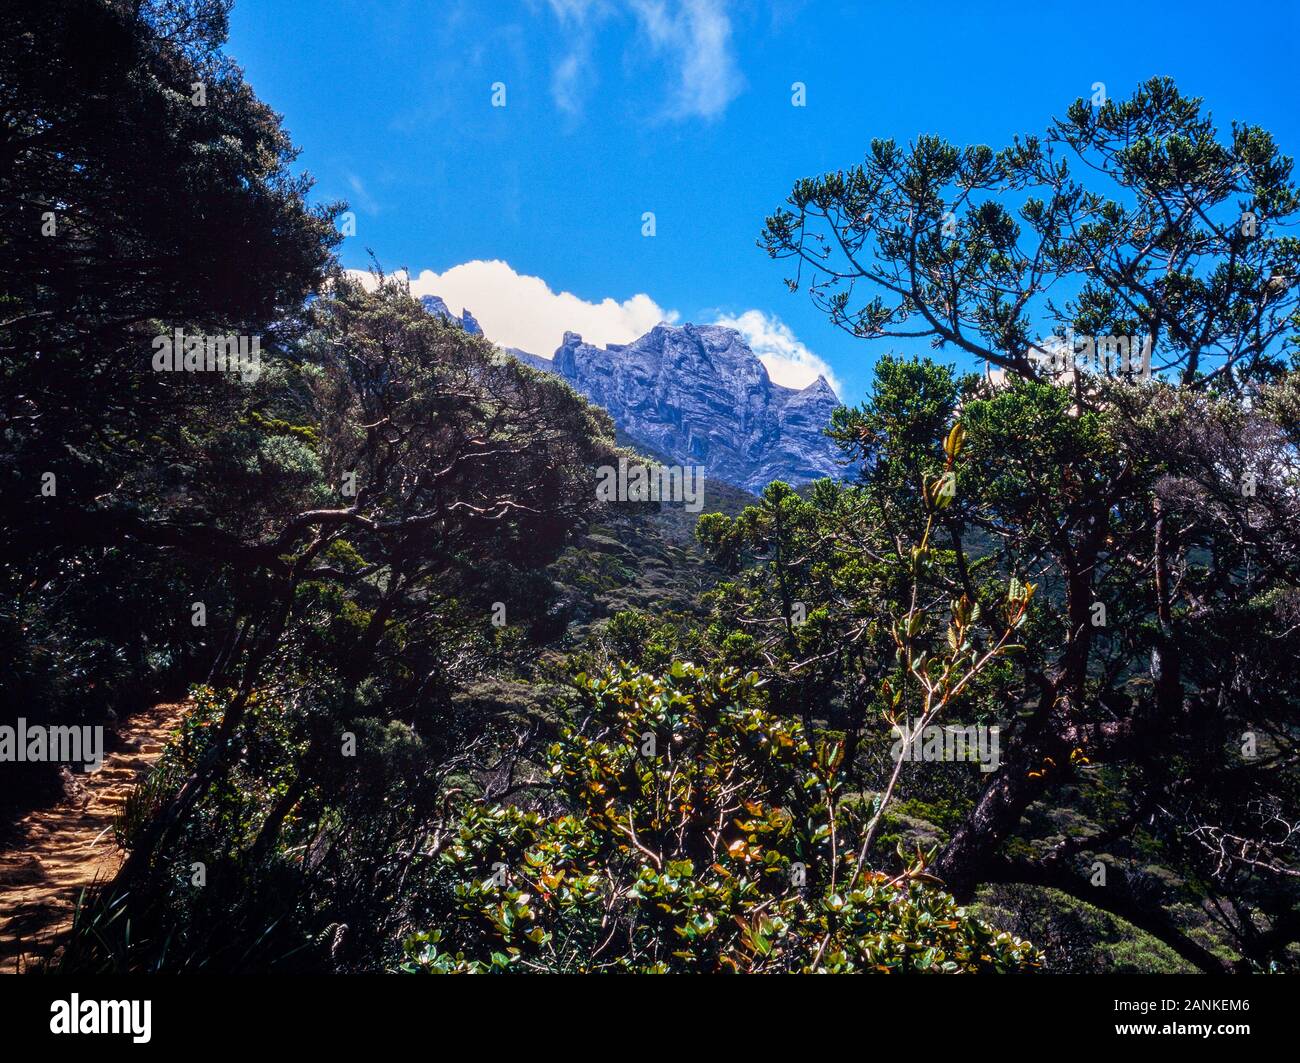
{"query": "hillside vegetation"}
(450, 712)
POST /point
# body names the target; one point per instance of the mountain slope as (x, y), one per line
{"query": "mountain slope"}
(434, 305)
(699, 394)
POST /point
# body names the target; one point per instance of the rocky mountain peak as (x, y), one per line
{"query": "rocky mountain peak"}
(699, 395)
(434, 305)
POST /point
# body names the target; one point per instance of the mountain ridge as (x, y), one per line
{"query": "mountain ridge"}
(699, 394)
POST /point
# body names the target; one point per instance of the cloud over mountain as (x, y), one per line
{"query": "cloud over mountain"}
(517, 310)
(788, 362)
(524, 312)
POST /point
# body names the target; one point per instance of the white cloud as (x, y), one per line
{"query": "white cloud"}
(574, 71)
(362, 194)
(697, 34)
(694, 35)
(577, 11)
(567, 77)
(788, 362)
(517, 310)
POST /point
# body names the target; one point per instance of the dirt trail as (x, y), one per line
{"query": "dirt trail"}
(69, 846)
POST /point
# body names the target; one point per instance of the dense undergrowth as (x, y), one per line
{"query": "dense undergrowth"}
(450, 713)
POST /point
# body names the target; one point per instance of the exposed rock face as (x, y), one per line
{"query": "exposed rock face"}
(532, 359)
(434, 305)
(698, 395)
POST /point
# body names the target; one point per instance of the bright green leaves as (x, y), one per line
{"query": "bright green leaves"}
(942, 490)
(713, 854)
(1019, 596)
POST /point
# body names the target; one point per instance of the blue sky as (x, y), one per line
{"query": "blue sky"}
(683, 108)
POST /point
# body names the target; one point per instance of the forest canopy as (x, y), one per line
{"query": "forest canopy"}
(418, 737)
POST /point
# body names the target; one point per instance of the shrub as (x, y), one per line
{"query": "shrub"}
(701, 834)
